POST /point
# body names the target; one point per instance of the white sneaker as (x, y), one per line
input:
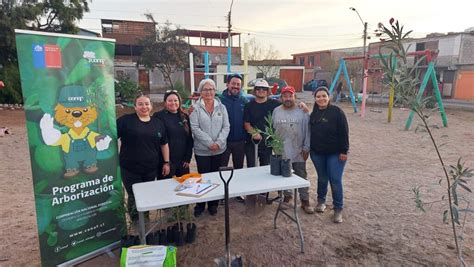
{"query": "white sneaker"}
(337, 216)
(320, 207)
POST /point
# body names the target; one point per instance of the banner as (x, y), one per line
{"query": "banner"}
(68, 91)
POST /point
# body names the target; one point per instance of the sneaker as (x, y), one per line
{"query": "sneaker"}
(198, 211)
(320, 207)
(240, 199)
(307, 207)
(212, 210)
(337, 216)
(287, 199)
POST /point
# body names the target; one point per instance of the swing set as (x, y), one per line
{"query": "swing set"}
(429, 75)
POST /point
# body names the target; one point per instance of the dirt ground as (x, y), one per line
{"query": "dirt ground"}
(381, 224)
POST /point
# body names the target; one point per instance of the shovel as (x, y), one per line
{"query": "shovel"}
(234, 261)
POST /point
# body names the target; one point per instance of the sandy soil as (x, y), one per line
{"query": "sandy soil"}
(381, 224)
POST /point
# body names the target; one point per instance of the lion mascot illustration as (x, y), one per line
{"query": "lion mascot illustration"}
(79, 144)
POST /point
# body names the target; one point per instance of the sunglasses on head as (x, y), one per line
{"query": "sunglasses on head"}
(171, 91)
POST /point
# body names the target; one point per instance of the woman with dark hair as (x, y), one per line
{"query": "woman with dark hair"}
(329, 147)
(180, 139)
(144, 151)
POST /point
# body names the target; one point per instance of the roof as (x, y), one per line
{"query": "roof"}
(206, 34)
(347, 50)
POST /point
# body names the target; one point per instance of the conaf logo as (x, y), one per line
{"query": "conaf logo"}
(90, 56)
(38, 48)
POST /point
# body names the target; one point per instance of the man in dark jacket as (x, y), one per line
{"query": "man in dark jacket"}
(235, 102)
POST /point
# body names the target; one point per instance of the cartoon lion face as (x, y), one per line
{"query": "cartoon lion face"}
(75, 117)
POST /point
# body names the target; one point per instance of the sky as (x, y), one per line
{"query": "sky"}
(292, 26)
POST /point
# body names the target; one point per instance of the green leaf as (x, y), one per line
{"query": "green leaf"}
(466, 210)
(455, 214)
(52, 239)
(465, 187)
(445, 216)
(32, 102)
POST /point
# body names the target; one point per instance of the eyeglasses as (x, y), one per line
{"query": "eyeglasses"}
(208, 90)
(171, 91)
(261, 88)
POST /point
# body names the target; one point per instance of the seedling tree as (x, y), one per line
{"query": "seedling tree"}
(405, 79)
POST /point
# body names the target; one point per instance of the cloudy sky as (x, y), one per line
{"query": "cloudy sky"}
(292, 26)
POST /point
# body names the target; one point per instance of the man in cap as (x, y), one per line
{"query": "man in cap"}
(292, 124)
(79, 144)
(254, 121)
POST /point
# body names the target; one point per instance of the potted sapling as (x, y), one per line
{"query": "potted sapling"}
(278, 165)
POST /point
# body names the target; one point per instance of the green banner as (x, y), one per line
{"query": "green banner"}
(68, 91)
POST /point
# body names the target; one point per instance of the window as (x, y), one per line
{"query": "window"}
(301, 61)
(420, 47)
(311, 61)
(260, 75)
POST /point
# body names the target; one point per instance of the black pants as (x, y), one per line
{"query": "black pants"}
(176, 169)
(237, 149)
(264, 154)
(207, 164)
(129, 179)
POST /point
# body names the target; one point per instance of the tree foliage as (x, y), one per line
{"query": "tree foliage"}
(264, 57)
(48, 15)
(167, 51)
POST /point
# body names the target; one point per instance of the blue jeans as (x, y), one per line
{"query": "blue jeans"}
(330, 170)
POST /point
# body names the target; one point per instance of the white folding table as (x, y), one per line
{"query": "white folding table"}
(160, 194)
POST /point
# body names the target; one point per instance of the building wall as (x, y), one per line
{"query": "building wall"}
(156, 80)
(293, 76)
(464, 85)
(221, 79)
(467, 49)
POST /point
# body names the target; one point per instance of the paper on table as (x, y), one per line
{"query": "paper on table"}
(197, 189)
(146, 256)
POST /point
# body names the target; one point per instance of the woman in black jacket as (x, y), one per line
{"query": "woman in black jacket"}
(178, 131)
(329, 148)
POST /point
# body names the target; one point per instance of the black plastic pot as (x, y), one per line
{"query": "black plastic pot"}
(153, 238)
(170, 235)
(286, 167)
(190, 233)
(129, 240)
(275, 165)
(162, 239)
(178, 232)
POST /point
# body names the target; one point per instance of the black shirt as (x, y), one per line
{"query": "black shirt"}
(180, 141)
(329, 131)
(141, 142)
(255, 113)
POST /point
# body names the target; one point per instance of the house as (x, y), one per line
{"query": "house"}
(322, 64)
(85, 32)
(127, 35)
(454, 63)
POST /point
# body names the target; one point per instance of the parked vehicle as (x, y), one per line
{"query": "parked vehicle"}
(281, 83)
(313, 84)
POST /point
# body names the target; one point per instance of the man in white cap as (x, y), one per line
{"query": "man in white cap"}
(254, 118)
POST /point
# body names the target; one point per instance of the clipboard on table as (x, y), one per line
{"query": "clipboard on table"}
(197, 190)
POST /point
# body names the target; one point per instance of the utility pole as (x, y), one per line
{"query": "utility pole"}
(366, 74)
(365, 63)
(229, 38)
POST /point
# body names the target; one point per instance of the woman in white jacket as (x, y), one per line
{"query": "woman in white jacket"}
(210, 127)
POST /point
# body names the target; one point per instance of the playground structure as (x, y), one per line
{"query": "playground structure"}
(430, 74)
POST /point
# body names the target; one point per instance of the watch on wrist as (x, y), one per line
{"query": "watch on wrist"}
(166, 162)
